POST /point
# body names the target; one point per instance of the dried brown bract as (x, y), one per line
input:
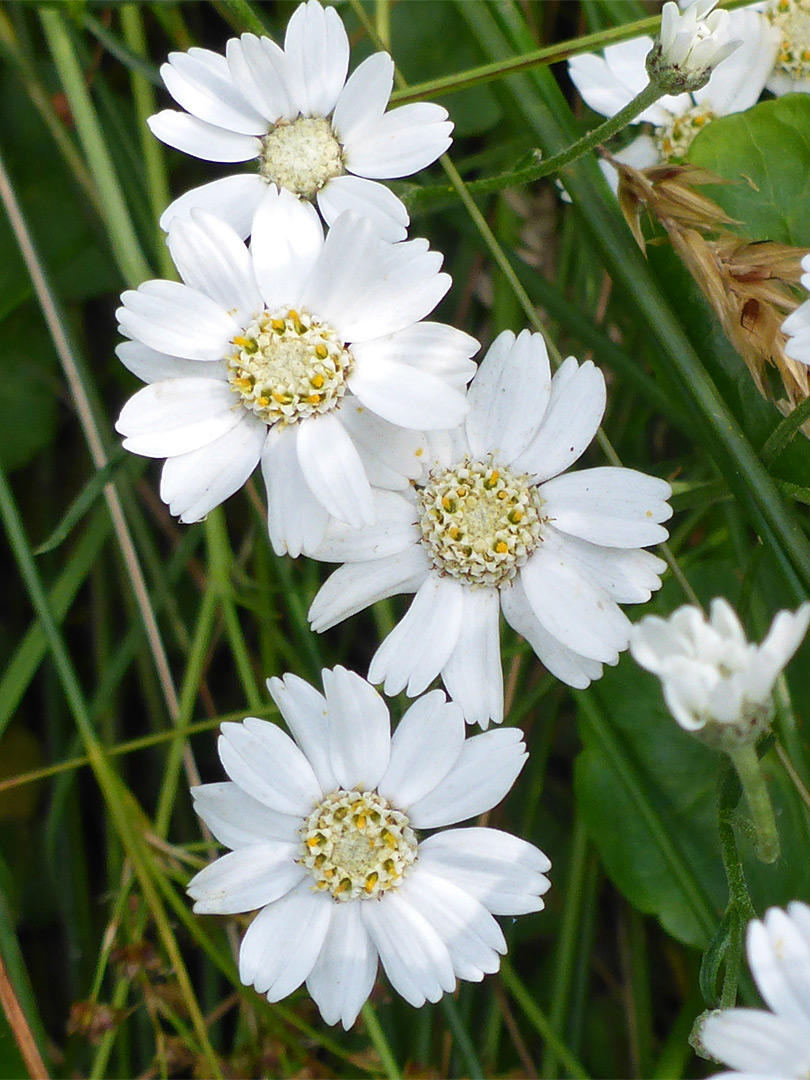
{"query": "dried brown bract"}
(751, 285)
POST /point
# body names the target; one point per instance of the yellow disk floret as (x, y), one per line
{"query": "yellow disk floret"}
(357, 846)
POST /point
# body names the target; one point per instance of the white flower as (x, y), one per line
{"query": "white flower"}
(714, 680)
(608, 84)
(303, 352)
(312, 131)
(496, 526)
(322, 832)
(797, 324)
(791, 71)
(691, 43)
(754, 1042)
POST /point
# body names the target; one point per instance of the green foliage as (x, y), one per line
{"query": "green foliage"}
(765, 154)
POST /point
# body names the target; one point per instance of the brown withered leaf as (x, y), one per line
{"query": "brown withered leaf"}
(751, 285)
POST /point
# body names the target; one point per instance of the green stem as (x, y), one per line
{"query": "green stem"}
(745, 761)
(538, 1019)
(544, 167)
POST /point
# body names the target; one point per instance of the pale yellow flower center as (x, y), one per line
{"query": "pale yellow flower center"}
(480, 523)
(287, 366)
(301, 155)
(793, 19)
(356, 846)
(675, 138)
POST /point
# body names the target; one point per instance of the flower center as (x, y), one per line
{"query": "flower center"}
(357, 846)
(479, 523)
(301, 155)
(793, 19)
(675, 139)
(288, 366)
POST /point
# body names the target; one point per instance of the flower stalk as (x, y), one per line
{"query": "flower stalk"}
(745, 761)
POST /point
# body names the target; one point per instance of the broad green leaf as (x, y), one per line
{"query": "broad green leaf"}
(765, 152)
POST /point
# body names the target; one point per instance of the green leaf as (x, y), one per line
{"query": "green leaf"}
(765, 151)
(83, 502)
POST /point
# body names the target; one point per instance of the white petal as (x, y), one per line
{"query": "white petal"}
(417, 648)
(344, 973)
(247, 878)
(406, 396)
(368, 199)
(434, 348)
(356, 586)
(296, 520)
(207, 92)
(282, 943)
(469, 932)
(628, 575)
(779, 958)
(425, 746)
(486, 769)
(202, 140)
(266, 763)
(574, 412)
(333, 470)
(364, 97)
(367, 288)
(176, 416)
(473, 674)
(737, 82)
(359, 730)
(259, 69)
(394, 531)
(213, 260)
(608, 84)
(414, 957)
(504, 873)
(317, 48)
(286, 242)
(400, 143)
(305, 714)
(508, 397)
(174, 319)
(237, 820)
(578, 613)
(391, 455)
(234, 199)
(192, 484)
(152, 366)
(567, 665)
(756, 1042)
(609, 506)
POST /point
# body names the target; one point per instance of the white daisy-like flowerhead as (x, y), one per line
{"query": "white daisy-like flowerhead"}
(499, 525)
(791, 71)
(691, 43)
(303, 352)
(797, 324)
(608, 83)
(326, 831)
(716, 683)
(755, 1043)
(312, 131)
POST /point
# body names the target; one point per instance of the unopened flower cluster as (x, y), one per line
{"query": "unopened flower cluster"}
(385, 448)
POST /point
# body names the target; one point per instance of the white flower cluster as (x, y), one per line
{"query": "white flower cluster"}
(384, 448)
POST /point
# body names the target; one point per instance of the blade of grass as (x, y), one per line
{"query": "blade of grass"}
(117, 798)
(123, 239)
